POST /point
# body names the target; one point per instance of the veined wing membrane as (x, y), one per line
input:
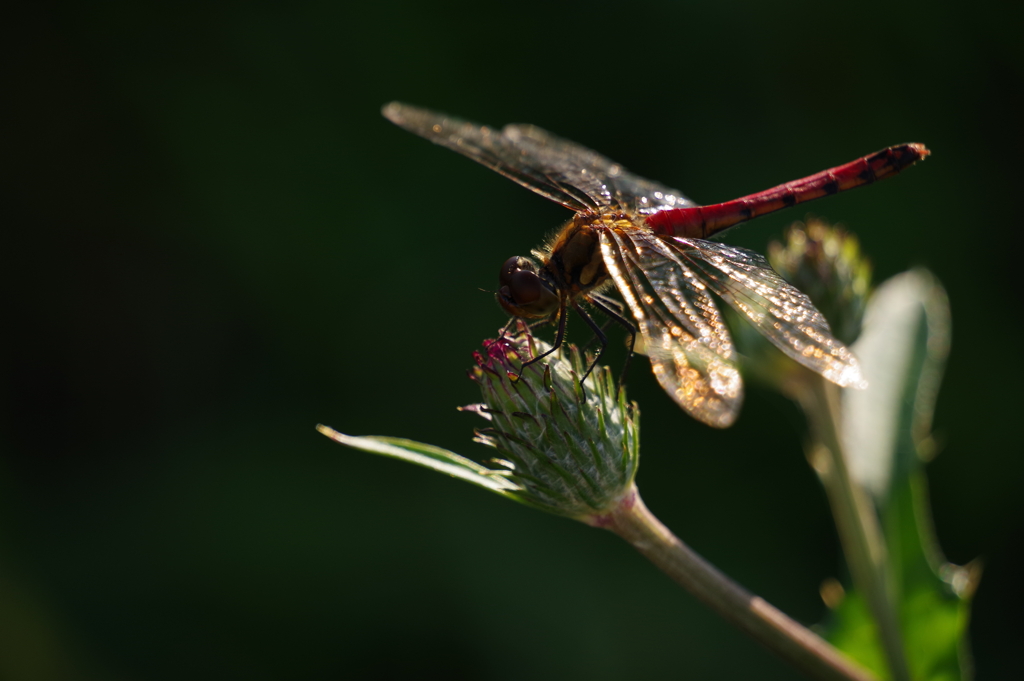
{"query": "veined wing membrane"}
(488, 147)
(685, 337)
(555, 168)
(783, 314)
(605, 181)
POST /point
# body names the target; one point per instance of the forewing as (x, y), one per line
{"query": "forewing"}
(782, 314)
(607, 182)
(555, 168)
(684, 334)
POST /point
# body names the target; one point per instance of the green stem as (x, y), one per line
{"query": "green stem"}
(858, 526)
(631, 520)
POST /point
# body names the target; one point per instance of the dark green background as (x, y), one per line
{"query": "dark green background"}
(212, 241)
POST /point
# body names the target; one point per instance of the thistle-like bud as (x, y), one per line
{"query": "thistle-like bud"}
(825, 262)
(565, 448)
(570, 449)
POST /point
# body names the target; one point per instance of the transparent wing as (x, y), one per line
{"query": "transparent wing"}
(555, 168)
(608, 183)
(782, 314)
(686, 339)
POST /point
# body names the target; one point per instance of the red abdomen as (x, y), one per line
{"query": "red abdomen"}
(701, 222)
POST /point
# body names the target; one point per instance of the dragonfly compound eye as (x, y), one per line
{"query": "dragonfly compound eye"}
(523, 292)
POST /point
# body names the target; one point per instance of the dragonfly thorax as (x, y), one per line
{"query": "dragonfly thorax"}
(573, 266)
(574, 262)
(525, 291)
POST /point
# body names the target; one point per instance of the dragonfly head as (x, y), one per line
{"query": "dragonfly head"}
(524, 292)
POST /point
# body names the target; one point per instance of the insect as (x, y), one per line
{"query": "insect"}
(651, 243)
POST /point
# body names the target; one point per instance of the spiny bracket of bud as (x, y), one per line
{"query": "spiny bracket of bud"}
(562, 449)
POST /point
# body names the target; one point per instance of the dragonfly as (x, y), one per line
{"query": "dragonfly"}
(651, 243)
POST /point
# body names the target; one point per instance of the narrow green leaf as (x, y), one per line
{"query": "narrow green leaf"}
(428, 456)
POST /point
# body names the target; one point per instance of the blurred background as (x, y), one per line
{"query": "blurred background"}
(212, 241)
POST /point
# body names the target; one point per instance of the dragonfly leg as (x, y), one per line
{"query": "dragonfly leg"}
(521, 326)
(614, 310)
(508, 325)
(615, 305)
(604, 325)
(559, 337)
(599, 332)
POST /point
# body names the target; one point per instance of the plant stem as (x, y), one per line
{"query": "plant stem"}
(631, 520)
(856, 521)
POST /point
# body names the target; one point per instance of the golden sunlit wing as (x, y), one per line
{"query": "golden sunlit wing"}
(779, 311)
(684, 335)
(555, 168)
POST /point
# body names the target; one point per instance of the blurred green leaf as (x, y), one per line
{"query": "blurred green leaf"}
(887, 433)
(904, 347)
(853, 631)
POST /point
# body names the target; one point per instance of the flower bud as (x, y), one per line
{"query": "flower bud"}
(563, 448)
(571, 449)
(825, 262)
